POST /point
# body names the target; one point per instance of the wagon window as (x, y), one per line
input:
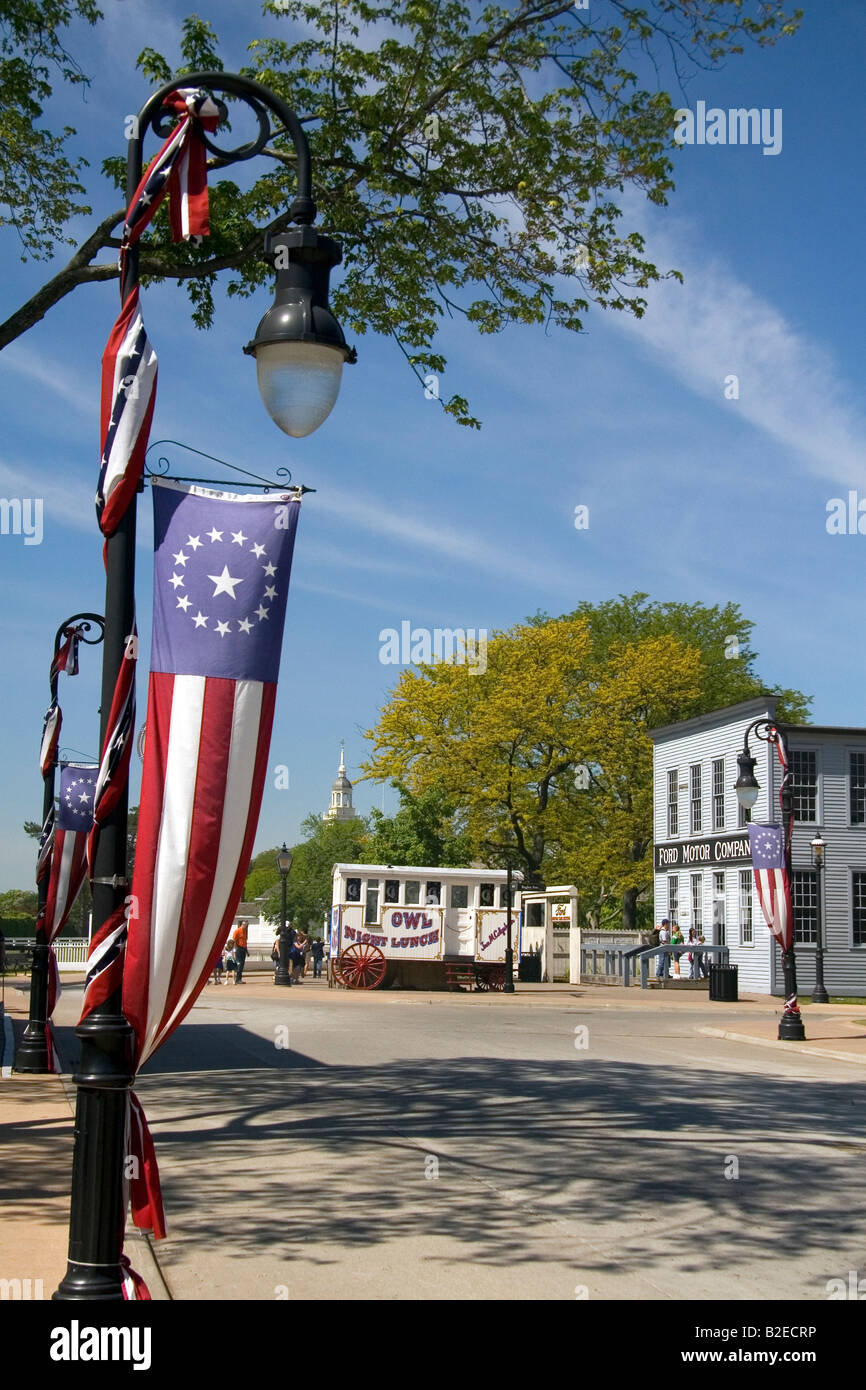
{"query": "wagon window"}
(413, 891)
(392, 890)
(433, 894)
(485, 895)
(353, 890)
(459, 895)
(503, 894)
(371, 914)
(536, 915)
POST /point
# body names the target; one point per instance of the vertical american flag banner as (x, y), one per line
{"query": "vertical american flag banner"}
(767, 845)
(68, 867)
(221, 576)
(129, 365)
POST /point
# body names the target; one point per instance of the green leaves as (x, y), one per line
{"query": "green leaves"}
(471, 161)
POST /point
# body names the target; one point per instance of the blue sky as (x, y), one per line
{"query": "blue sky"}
(691, 497)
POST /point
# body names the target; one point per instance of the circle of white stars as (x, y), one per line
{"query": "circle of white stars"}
(224, 583)
(765, 843)
(80, 803)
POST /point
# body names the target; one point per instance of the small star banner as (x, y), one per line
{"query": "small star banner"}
(221, 577)
(767, 845)
(68, 867)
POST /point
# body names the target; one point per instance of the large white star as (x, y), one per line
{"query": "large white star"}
(200, 619)
(84, 797)
(238, 537)
(194, 542)
(180, 558)
(222, 629)
(224, 583)
(215, 535)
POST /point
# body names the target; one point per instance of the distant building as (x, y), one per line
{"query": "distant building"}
(341, 807)
(703, 866)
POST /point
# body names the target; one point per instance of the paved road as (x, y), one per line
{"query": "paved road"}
(333, 1145)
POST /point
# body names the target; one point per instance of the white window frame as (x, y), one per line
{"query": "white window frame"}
(718, 822)
(746, 879)
(673, 803)
(696, 822)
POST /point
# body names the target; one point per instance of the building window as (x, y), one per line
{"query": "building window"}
(859, 905)
(746, 936)
(804, 897)
(433, 895)
(535, 915)
(744, 815)
(695, 799)
(804, 771)
(673, 806)
(697, 902)
(459, 895)
(719, 916)
(857, 776)
(673, 897)
(412, 891)
(485, 895)
(718, 793)
(392, 890)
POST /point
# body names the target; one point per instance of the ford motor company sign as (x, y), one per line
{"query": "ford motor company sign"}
(717, 849)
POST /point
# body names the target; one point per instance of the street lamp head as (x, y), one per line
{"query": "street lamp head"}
(818, 847)
(299, 346)
(746, 785)
(284, 860)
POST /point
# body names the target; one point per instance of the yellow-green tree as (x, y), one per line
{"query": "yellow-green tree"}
(504, 745)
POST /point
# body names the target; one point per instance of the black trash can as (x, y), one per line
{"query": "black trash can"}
(529, 969)
(724, 984)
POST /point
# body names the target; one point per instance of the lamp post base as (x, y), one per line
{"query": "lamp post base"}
(32, 1055)
(791, 1028)
(281, 976)
(508, 987)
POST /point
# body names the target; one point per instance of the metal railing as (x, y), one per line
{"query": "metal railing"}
(622, 965)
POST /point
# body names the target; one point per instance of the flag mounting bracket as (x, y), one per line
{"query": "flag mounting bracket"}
(162, 467)
(115, 882)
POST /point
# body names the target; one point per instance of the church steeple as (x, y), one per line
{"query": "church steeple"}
(341, 807)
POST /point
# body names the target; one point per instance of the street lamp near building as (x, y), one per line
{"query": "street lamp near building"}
(283, 973)
(819, 993)
(299, 351)
(747, 787)
(508, 987)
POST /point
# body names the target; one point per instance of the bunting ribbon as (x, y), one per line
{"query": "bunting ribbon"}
(129, 363)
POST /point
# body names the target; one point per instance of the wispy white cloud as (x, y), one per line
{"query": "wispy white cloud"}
(62, 382)
(715, 326)
(444, 539)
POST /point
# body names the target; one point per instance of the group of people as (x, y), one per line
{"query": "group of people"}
(302, 949)
(699, 964)
(229, 968)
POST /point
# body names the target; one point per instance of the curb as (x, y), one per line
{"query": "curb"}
(788, 1046)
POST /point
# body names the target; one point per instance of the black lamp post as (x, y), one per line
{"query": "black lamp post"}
(508, 987)
(819, 993)
(283, 972)
(300, 354)
(32, 1054)
(747, 787)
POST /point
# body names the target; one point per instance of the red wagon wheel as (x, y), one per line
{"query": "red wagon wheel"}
(361, 966)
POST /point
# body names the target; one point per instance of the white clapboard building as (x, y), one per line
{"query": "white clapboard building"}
(702, 868)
